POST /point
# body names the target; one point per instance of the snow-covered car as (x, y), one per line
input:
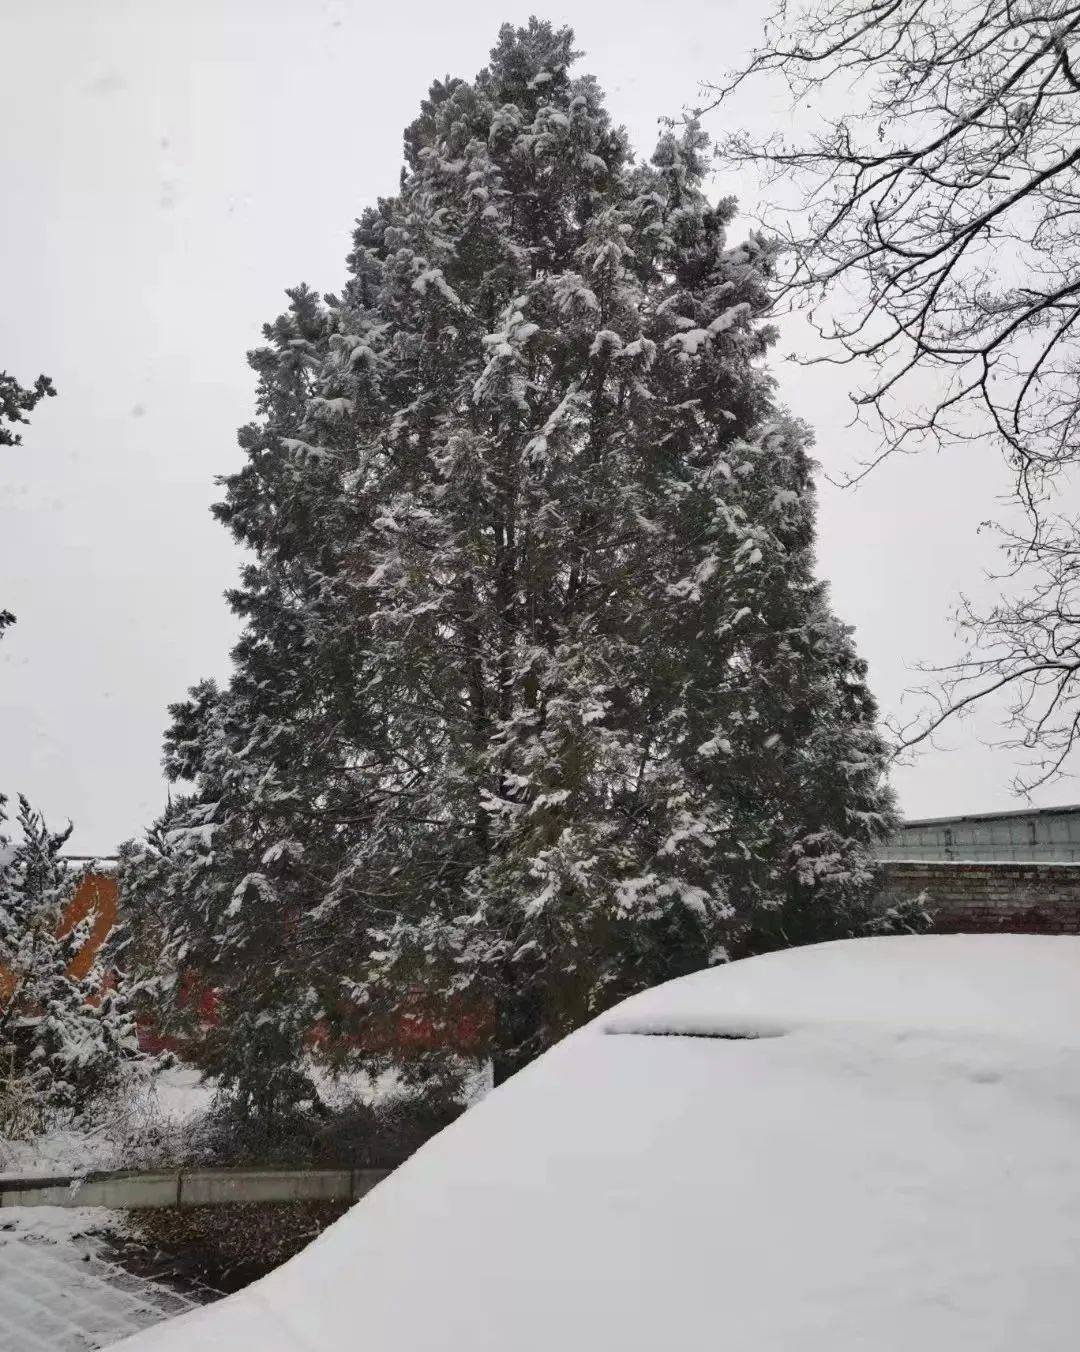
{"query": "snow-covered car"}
(864, 1145)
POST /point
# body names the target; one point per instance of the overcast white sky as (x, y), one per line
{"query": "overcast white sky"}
(167, 167)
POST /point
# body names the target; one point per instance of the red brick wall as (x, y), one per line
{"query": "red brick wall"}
(984, 898)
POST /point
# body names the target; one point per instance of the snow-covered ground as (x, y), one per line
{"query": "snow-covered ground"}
(138, 1128)
(862, 1145)
(60, 1290)
(153, 1121)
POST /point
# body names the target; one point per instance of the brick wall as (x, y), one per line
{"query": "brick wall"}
(983, 898)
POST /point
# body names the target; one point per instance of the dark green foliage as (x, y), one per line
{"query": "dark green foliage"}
(16, 401)
(538, 700)
(352, 1135)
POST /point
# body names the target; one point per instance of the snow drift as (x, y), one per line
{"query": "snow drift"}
(896, 1167)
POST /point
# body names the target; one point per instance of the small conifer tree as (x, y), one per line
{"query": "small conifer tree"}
(64, 1037)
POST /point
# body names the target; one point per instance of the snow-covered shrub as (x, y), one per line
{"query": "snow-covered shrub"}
(64, 1038)
(137, 1131)
(22, 1112)
(352, 1130)
(905, 915)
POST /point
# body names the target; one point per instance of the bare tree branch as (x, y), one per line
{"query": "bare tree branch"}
(938, 213)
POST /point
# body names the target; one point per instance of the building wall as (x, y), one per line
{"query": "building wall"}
(981, 898)
(1046, 835)
(96, 898)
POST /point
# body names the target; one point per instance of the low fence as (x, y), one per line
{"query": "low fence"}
(986, 898)
(134, 1189)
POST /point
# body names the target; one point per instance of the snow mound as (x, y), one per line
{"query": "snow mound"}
(1023, 986)
(897, 1171)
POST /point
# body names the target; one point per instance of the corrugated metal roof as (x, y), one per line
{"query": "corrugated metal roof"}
(1033, 835)
(992, 816)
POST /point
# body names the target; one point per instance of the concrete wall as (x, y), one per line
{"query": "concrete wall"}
(191, 1187)
(987, 897)
(153, 1189)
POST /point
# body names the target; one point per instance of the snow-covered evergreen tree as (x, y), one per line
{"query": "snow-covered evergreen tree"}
(216, 891)
(539, 700)
(16, 401)
(224, 878)
(64, 1038)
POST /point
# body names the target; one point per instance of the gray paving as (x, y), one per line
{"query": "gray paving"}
(64, 1292)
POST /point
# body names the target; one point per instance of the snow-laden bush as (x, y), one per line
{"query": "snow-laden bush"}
(354, 1130)
(64, 1036)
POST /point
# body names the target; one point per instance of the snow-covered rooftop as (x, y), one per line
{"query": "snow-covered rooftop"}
(894, 1168)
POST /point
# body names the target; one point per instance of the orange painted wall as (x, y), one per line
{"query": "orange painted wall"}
(97, 895)
(460, 1026)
